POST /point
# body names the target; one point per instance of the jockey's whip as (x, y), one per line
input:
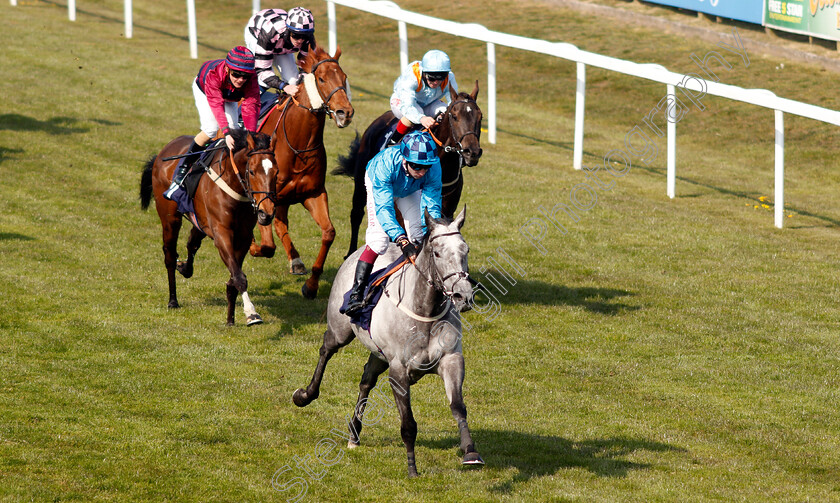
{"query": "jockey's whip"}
(210, 149)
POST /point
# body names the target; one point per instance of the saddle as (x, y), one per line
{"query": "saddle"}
(373, 293)
(382, 141)
(199, 167)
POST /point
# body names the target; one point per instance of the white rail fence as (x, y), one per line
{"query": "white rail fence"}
(691, 85)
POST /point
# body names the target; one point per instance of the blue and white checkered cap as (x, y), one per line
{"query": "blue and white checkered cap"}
(419, 148)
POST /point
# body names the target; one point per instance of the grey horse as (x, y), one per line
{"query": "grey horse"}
(415, 330)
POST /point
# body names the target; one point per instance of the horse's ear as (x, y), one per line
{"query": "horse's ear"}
(429, 220)
(337, 52)
(453, 94)
(273, 140)
(475, 91)
(249, 140)
(459, 220)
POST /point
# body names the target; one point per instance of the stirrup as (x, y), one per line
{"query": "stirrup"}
(173, 188)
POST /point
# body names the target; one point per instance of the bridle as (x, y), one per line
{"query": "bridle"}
(458, 148)
(325, 108)
(246, 181)
(456, 143)
(435, 279)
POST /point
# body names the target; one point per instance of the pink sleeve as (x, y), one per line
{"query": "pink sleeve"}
(251, 104)
(213, 91)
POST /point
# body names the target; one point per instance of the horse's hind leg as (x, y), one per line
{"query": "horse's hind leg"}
(332, 343)
(171, 228)
(451, 370)
(373, 368)
(408, 426)
(281, 228)
(193, 244)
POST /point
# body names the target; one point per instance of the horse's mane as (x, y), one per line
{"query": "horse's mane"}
(261, 141)
(314, 55)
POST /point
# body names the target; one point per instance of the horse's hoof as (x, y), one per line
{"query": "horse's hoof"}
(352, 445)
(300, 399)
(185, 270)
(267, 252)
(307, 292)
(173, 304)
(230, 324)
(472, 459)
(297, 268)
(254, 319)
(412, 472)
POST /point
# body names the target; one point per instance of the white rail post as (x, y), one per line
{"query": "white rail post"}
(255, 7)
(403, 45)
(672, 147)
(780, 169)
(71, 9)
(333, 40)
(14, 2)
(580, 112)
(491, 92)
(129, 24)
(192, 30)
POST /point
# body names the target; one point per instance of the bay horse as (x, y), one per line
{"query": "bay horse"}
(299, 123)
(457, 135)
(238, 193)
(417, 331)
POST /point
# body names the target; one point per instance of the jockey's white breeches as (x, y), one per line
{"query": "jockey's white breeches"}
(375, 237)
(432, 109)
(285, 63)
(205, 115)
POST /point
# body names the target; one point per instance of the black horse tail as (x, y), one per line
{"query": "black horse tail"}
(347, 164)
(146, 184)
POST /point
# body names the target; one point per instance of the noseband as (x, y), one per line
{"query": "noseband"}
(435, 274)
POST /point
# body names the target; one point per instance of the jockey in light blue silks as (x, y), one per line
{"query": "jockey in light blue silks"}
(419, 93)
(408, 176)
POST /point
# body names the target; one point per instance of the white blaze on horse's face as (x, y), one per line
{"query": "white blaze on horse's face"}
(267, 166)
(450, 253)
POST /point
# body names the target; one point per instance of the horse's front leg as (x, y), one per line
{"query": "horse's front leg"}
(319, 209)
(281, 227)
(332, 343)
(266, 248)
(373, 368)
(451, 370)
(408, 426)
(238, 283)
(193, 244)
(358, 210)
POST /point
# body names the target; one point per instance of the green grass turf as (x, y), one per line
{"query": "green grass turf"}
(660, 350)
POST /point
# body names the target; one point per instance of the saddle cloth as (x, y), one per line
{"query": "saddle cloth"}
(185, 198)
(372, 295)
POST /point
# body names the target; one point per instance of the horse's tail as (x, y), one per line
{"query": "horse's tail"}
(146, 183)
(347, 164)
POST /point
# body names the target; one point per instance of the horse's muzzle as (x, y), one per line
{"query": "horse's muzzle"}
(461, 303)
(471, 156)
(342, 118)
(264, 218)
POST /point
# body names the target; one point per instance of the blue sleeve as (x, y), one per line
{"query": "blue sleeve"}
(380, 170)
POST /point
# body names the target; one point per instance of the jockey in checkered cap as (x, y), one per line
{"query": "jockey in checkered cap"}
(419, 92)
(408, 176)
(218, 87)
(274, 36)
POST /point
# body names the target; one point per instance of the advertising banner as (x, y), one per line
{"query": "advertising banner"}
(750, 11)
(820, 18)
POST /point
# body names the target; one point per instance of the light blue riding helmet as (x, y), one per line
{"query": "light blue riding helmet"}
(435, 61)
(418, 147)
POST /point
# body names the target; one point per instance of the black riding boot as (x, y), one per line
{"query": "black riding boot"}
(183, 168)
(357, 296)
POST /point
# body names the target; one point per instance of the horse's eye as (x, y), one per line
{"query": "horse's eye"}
(320, 80)
(437, 255)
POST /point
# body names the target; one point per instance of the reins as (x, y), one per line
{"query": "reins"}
(242, 181)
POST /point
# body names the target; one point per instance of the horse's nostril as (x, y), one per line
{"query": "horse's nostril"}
(457, 296)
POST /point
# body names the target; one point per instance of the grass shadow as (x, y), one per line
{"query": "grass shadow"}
(55, 125)
(737, 193)
(5, 151)
(593, 299)
(14, 236)
(541, 455)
